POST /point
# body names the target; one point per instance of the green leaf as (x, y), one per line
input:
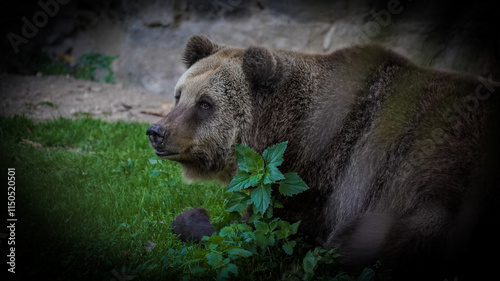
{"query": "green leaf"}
(215, 260)
(261, 227)
(342, 276)
(261, 198)
(154, 160)
(265, 239)
(292, 184)
(273, 156)
(277, 204)
(244, 227)
(248, 160)
(240, 181)
(225, 231)
(271, 239)
(269, 212)
(284, 231)
(367, 275)
(238, 202)
(197, 270)
(273, 224)
(272, 174)
(216, 239)
(309, 263)
(255, 178)
(232, 268)
(294, 227)
(288, 247)
(239, 252)
(198, 255)
(155, 173)
(224, 274)
(254, 217)
(260, 239)
(282, 234)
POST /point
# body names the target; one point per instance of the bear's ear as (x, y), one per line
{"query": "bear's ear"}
(261, 67)
(197, 48)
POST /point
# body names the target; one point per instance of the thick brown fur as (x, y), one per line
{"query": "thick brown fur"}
(402, 162)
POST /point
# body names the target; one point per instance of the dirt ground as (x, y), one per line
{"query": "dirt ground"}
(46, 97)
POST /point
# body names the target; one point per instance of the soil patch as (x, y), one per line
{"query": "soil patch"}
(48, 97)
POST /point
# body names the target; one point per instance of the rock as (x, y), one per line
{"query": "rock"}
(150, 245)
(95, 89)
(149, 36)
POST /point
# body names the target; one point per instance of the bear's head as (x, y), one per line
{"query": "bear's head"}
(215, 101)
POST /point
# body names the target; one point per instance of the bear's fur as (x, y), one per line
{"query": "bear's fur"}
(402, 161)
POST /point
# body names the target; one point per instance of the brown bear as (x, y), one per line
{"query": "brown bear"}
(403, 162)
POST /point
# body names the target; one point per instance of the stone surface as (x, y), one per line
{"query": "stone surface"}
(149, 36)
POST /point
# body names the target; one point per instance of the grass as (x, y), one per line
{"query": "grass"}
(86, 205)
(93, 203)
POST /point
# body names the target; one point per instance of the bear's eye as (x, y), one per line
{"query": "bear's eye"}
(204, 105)
(177, 95)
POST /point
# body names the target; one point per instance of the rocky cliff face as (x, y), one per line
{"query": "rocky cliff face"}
(149, 36)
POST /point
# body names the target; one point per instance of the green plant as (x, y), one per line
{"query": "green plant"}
(85, 68)
(38, 61)
(47, 103)
(90, 62)
(261, 173)
(262, 236)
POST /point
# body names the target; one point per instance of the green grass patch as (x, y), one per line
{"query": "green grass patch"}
(85, 202)
(93, 203)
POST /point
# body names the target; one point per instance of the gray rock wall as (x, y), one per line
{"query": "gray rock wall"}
(149, 36)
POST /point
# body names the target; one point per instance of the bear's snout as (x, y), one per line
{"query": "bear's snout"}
(168, 143)
(156, 135)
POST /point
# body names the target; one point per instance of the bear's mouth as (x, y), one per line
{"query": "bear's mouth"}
(166, 154)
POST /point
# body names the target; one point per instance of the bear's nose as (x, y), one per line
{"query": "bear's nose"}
(156, 134)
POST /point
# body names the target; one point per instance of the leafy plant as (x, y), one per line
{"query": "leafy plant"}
(265, 242)
(260, 173)
(262, 233)
(85, 68)
(39, 61)
(90, 62)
